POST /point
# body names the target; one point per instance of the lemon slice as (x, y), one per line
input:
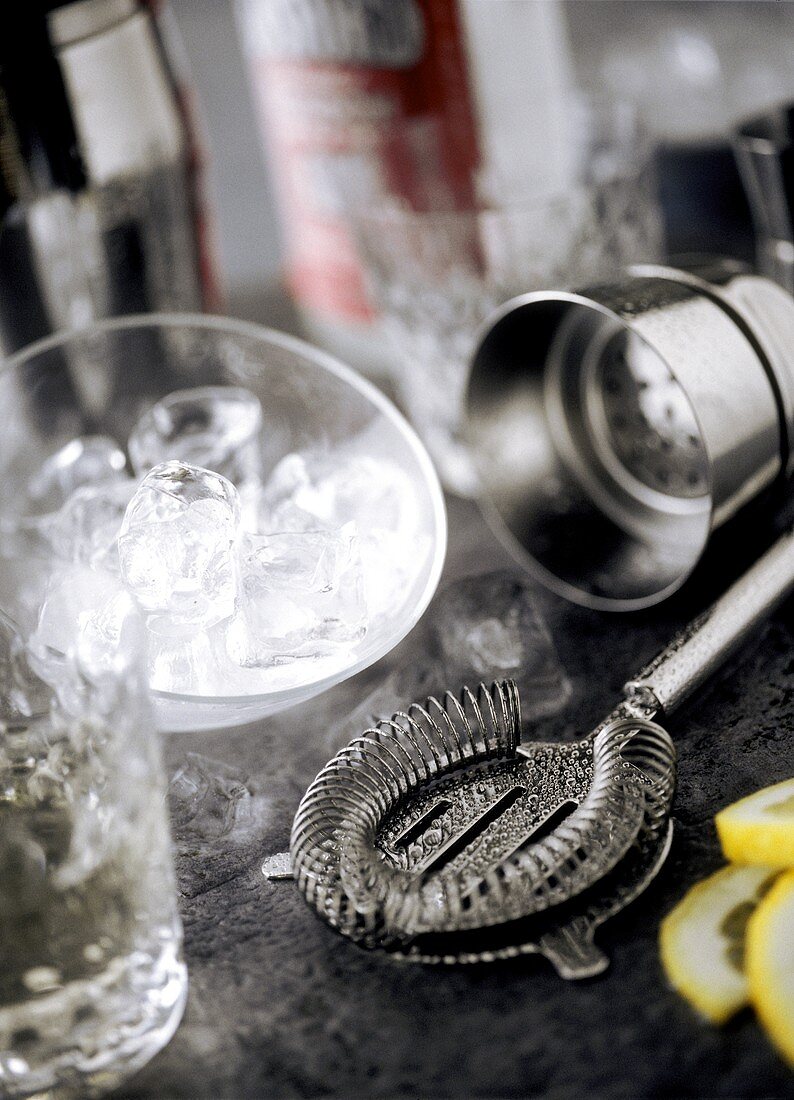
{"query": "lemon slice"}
(769, 961)
(702, 939)
(760, 828)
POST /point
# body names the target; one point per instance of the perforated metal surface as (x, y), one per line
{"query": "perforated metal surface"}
(648, 424)
(430, 825)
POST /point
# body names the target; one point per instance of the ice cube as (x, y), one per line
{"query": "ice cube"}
(191, 665)
(317, 563)
(23, 694)
(489, 627)
(286, 478)
(301, 596)
(331, 488)
(373, 492)
(380, 497)
(73, 592)
(104, 748)
(207, 799)
(85, 666)
(110, 634)
(220, 819)
(217, 427)
(176, 547)
(88, 460)
(86, 528)
(277, 510)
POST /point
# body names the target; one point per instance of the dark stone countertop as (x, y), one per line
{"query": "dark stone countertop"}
(280, 1005)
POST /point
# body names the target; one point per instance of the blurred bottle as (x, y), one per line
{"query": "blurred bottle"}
(177, 67)
(764, 147)
(98, 214)
(425, 104)
(693, 70)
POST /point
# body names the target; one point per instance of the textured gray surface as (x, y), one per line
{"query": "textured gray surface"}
(281, 1006)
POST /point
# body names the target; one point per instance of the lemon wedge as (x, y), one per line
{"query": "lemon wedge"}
(769, 962)
(760, 828)
(702, 939)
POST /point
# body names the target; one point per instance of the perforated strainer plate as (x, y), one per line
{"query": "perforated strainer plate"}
(431, 825)
(442, 837)
(643, 423)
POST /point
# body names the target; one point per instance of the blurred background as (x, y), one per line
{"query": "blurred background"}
(538, 143)
(692, 67)
(377, 175)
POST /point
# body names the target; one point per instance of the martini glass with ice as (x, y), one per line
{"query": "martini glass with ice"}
(273, 517)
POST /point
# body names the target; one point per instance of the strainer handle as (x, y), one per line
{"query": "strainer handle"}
(709, 640)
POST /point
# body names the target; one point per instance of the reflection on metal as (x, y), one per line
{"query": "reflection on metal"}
(432, 833)
(615, 428)
(440, 837)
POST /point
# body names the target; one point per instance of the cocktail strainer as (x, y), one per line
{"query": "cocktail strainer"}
(614, 428)
(439, 836)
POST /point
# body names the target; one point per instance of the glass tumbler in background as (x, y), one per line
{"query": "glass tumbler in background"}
(436, 275)
(92, 982)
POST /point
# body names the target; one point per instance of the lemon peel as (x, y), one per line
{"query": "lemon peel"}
(759, 829)
(769, 964)
(701, 940)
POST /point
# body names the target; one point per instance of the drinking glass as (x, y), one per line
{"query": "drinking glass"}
(435, 275)
(92, 981)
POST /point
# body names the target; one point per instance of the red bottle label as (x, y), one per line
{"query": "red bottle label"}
(361, 101)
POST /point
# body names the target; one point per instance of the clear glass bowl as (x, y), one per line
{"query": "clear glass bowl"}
(100, 379)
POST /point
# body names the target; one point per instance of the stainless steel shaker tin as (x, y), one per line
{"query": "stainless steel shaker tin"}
(614, 428)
